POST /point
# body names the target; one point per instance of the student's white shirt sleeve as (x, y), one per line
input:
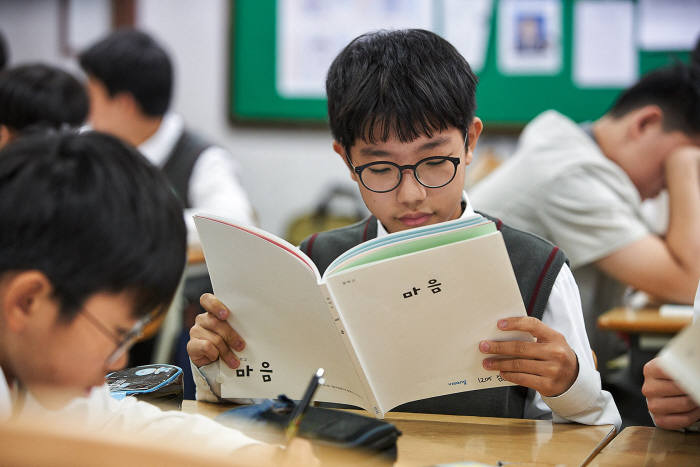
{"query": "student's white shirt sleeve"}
(207, 386)
(584, 402)
(100, 412)
(215, 189)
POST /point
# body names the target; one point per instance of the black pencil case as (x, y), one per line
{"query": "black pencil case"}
(158, 384)
(373, 440)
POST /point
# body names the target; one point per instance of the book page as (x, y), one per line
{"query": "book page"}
(681, 356)
(412, 245)
(404, 236)
(416, 320)
(681, 360)
(277, 306)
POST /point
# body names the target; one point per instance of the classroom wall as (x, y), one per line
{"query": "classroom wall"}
(286, 171)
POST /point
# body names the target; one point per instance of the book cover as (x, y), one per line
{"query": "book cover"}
(395, 319)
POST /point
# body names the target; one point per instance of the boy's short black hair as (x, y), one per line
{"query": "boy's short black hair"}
(41, 96)
(94, 216)
(676, 89)
(405, 83)
(131, 61)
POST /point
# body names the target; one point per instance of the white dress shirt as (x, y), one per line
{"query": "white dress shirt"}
(214, 187)
(100, 413)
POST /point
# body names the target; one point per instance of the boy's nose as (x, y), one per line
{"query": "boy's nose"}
(410, 191)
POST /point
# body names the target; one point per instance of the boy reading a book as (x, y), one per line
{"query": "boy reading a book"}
(92, 248)
(401, 108)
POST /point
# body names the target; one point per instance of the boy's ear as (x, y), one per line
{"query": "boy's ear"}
(643, 119)
(24, 297)
(338, 148)
(128, 105)
(474, 132)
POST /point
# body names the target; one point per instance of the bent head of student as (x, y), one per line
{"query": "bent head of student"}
(652, 119)
(129, 73)
(401, 108)
(35, 98)
(92, 246)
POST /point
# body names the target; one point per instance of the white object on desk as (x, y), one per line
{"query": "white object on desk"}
(676, 310)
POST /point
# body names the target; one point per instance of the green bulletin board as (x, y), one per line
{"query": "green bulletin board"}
(503, 100)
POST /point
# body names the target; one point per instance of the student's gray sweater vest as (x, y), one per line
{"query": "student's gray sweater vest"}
(536, 264)
(180, 163)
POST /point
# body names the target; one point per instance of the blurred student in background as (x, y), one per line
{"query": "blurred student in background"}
(581, 187)
(130, 83)
(36, 98)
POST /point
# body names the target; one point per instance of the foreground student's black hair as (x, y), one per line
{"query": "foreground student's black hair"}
(132, 61)
(676, 89)
(41, 96)
(94, 216)
(406, 83)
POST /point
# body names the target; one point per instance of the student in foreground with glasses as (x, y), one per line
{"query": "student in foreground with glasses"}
(92, 247)
(401, 109)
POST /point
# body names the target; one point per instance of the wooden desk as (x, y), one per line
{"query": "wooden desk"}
(30, 445)
(432, 439)
(644, 320)
(648, 332)
(641, 445)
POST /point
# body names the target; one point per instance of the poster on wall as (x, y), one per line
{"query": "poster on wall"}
(605, 54)
(467, 25)
(529, 37)
(310, 33)
(668, 25)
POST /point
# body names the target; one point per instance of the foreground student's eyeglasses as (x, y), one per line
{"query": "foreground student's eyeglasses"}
(123, 342)
(431, 172)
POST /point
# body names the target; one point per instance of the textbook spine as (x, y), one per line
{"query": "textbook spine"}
(337, 318)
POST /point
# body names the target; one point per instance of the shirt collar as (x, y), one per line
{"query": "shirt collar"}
(158, 147)
(5, 398)
(466, 212)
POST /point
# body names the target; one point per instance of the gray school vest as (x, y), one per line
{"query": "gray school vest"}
(180, 163)
(536, 264)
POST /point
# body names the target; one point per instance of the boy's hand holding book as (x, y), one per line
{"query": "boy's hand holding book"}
(212, 336)
(549, 365)
(670, 405)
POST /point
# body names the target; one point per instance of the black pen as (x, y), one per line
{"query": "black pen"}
(303, 405)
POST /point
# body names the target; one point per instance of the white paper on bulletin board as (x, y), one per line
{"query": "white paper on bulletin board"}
(529, 36)
(466, 25)
(310, 33)
(668, 24)
(605, 54)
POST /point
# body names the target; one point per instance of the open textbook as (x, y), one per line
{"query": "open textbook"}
(392, 320)
(680, 358)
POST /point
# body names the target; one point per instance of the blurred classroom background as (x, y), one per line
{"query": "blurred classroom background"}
(249, 73)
